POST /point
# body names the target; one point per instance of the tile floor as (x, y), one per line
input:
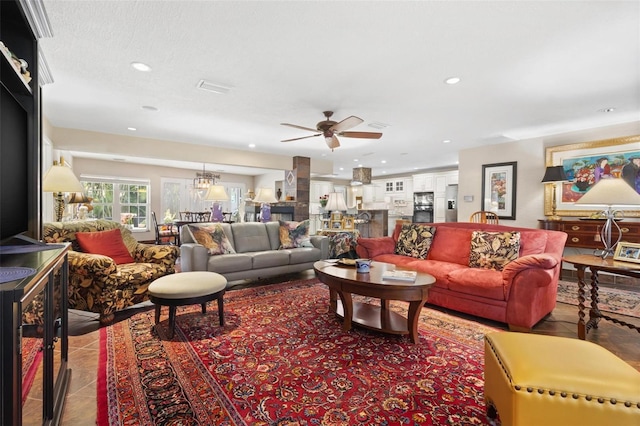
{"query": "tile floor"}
(81, 406)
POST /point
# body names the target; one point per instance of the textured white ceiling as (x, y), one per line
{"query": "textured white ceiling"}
(528, 69)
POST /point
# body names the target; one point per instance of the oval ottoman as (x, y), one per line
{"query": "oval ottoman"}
(187, 288)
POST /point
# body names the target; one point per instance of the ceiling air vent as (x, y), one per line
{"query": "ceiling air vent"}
(212, 87)
(378, 125)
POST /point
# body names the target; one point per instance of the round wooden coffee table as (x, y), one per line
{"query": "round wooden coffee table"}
(343, 281)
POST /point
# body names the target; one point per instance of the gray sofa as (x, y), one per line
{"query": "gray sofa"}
(257, 252)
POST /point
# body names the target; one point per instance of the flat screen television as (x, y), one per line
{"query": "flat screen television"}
(15, 168)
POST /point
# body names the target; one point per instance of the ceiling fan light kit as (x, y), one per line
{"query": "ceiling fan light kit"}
(330, 130)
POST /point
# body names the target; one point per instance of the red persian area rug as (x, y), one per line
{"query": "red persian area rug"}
(283, 359)
(31, 358)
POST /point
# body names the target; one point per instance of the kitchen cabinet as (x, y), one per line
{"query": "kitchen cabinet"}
(319, 188)
(422, 182)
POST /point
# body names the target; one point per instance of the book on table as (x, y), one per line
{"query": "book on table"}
(399, 275)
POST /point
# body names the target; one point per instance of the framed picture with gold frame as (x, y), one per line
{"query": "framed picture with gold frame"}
(627, 252)
(336, 216)
(348, 222)
(336, 224)
(579, 162)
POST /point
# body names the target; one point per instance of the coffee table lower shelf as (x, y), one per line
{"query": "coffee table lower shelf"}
(374, 317)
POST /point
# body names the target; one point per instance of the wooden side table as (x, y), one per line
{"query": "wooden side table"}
(595, 265)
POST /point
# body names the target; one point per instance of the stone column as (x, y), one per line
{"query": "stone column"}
(302, 166)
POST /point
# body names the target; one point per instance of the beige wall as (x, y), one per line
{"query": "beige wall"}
(530, 155)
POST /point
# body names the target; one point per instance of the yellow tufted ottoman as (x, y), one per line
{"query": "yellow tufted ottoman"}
(545, 380)
(187, 288)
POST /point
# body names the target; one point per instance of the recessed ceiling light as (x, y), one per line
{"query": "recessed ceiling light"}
(149, 108)
(384, 172)
(446, 141)
(341, 168)
(359, 165)
(140, 66)
(384, 161)
(355, 160)
(452, 80)
(133, 129)
(252, 145)
(610, 109)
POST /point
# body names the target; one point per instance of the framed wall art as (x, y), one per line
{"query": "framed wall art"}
(628, 252)
(585, 164)
(499, 189)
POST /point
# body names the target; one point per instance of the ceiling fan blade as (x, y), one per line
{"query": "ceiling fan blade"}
(304, 137)
(347, 123)
(299, 127)
(333, 142)
(365, 135)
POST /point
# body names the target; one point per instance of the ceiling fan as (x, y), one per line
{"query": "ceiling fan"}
(331, 129)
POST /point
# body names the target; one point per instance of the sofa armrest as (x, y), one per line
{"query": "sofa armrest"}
(93, 266)
(369, 248)
(161, 254)
(533, 261)
(193, 257)
(321, 242)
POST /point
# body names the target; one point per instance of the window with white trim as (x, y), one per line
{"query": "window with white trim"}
(120, 199)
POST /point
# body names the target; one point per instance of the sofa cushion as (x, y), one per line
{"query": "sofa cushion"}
(252, 236)
(212, 237)
(493, 250)
(229, 263)
(375, 246)
(294, 234)
(534, 242)
(451, 245)
(304, 255)
(107, 243)
(269, 259)
(478, 282)
(415, 240)
(439, 270)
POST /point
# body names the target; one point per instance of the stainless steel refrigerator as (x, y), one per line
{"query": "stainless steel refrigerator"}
(451, 195)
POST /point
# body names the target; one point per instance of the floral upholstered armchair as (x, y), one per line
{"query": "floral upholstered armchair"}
(96, 282)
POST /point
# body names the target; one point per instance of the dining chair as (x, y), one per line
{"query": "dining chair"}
(484, 217)
(165, 233)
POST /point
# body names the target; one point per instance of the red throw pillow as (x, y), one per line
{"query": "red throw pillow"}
(108, 243)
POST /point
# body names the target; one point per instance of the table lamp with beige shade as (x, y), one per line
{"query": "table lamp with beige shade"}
(610, 193)
(265, 197)
(216, 193)
(59, 179)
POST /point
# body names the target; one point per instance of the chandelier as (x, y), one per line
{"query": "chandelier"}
(204, 179)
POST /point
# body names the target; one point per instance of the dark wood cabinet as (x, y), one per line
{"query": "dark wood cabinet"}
(50, 269)
(586, 233)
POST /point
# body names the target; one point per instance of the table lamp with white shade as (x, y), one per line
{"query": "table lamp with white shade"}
(265, 197)
(216, 193)
(336, 202)
(59, 179)
(610, 193)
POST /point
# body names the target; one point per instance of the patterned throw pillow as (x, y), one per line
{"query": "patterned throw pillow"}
(294, 234)
(415, 240)
(493, 250)
(212, 236)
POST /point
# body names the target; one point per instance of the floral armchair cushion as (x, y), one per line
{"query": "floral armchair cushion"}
(96, 282)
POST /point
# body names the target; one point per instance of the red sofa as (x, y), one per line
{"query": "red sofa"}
(519, 295)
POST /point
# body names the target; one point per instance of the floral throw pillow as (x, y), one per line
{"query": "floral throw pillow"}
(415, 240)
(294, 234)
(493, 250)
(212, 237)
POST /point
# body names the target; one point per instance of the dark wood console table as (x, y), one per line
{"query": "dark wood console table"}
(16, 294)
(595, 265)
(586, 233)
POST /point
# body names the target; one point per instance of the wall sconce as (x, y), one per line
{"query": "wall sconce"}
(59, 179)
(609, 193)
(552, 175)
(216, 193)
(265, 196)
